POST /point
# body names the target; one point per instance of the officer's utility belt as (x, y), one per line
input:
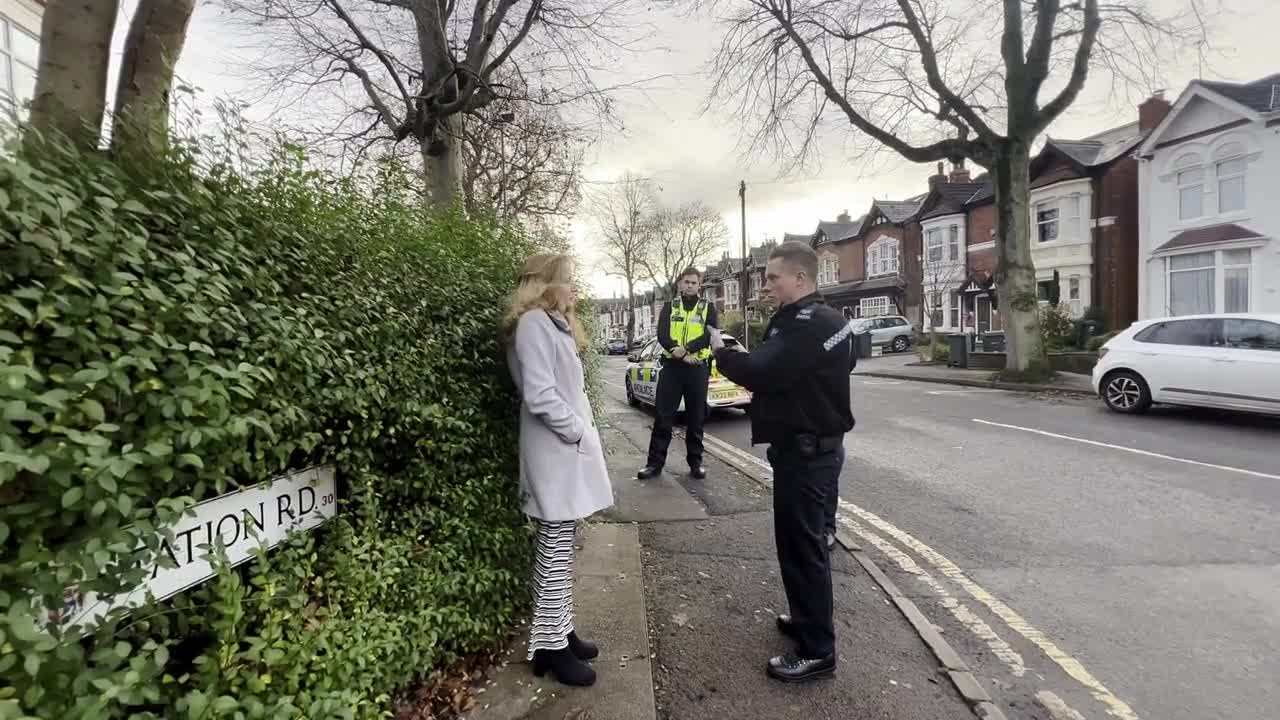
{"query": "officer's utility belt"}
(679, 361)
(806, 445)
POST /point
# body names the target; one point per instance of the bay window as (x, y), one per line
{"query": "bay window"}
(19, 56)
(1047, 221)
(1213, 281)
(882, 257)
(936, 309)
(933, 245)
(829, 270)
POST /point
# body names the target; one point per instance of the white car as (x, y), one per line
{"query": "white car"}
(1230, 362)
(891, 331)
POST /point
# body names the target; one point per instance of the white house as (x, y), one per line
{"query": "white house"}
(1209, 205)
(20, 46)
(942, 269)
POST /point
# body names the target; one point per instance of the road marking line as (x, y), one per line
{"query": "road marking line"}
(959, 610)
(960, 392)
(1135, 451)
(1115, 706)
(1057, 707)
(882, 382)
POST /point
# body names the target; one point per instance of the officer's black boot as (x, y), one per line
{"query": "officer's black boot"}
(793, 669)
(697, 472)
(649, 472)
(567, 669)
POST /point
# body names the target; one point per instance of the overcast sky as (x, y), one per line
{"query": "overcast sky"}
(692, 155)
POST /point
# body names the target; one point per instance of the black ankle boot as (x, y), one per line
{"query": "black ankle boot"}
(567, 669)
(582, 649)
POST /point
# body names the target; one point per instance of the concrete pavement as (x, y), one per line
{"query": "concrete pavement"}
(1090, 563)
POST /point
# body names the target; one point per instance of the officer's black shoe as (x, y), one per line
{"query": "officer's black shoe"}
(791, 669)
(697, 472)
(648, 472)
(582, 649)
(831, 540)
(567, 669)
(786, 627)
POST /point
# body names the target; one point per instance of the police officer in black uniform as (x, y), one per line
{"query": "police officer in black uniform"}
(800, 406)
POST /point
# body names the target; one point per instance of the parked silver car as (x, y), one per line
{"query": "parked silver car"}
(891, 331)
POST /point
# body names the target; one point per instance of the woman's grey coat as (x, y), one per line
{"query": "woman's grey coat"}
(562, 470)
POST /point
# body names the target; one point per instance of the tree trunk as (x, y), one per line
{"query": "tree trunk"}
(1015, 273)
(151, 51)
(442, 161)
(71, 83)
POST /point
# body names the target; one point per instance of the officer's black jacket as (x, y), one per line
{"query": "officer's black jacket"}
(799, 377)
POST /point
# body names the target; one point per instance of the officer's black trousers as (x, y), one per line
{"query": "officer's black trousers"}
(801, 498)
(679, 380)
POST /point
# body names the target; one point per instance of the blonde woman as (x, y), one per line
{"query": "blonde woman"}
(562, 472)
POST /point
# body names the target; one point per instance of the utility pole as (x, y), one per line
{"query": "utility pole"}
(745, 282)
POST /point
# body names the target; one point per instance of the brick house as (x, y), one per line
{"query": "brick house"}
(861, 262)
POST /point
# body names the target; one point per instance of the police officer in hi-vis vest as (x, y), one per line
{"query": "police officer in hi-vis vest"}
(686, 369)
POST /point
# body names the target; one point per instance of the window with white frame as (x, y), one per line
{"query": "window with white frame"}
(755, 284)
(1214, 281)
(731, 293)
(957, 302)
(20, 50)
(882, 257)
(873, 306)
(1047, 219)
(953, 243)
(937, 309)
(828, 270)
(1071, 208)
(1231, 185)
(1073, 293)
(1237, 266)
(933, 245)
(1190, 187)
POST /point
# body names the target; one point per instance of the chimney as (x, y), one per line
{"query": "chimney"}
(959, 173)
(1152, 111)
(937, 179)
(844, 217)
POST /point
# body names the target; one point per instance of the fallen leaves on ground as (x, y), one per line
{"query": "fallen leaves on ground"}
(446, 693)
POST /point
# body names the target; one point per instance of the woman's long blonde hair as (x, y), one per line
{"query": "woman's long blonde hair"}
(546, 283)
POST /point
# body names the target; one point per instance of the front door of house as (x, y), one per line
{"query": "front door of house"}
(984, 314)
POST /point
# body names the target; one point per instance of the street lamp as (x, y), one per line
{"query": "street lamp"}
(503, 119)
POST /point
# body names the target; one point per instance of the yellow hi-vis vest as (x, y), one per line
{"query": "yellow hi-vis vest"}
(688, 326)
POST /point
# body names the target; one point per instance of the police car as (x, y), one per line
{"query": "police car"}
(642, 380)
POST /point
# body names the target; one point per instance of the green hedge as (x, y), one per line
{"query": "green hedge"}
(166, 339)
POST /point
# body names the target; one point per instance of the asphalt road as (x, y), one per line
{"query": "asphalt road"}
(1088, 564)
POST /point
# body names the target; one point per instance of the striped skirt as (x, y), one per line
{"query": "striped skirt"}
(552, 586)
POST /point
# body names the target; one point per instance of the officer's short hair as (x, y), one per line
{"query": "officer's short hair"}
(690, 271)
(798, 255)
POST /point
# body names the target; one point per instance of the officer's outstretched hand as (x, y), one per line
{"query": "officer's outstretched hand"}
(691, 360)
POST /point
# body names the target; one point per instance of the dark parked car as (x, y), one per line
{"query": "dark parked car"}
(616, 346)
